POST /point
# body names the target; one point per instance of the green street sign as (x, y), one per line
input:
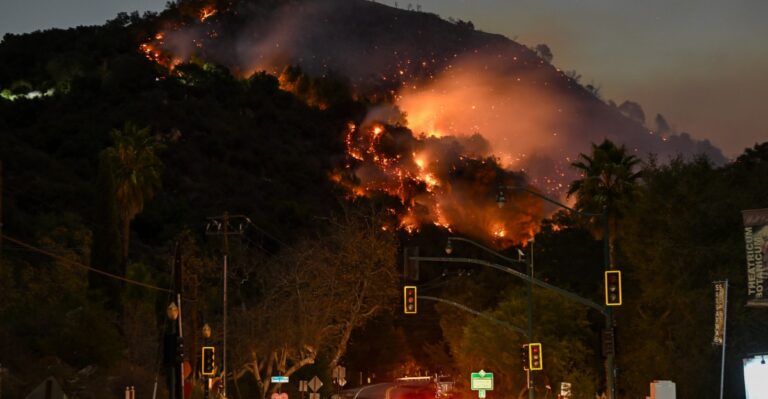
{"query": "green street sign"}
(481, 381)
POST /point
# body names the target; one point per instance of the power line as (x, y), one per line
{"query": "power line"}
(78, 264)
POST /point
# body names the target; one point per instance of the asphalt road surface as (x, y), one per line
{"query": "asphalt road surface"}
(392, 390)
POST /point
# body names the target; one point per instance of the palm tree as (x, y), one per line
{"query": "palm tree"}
(607, 184)
(136, 170)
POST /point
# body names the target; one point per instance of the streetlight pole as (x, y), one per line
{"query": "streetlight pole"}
(172, 352)
(529, 375)
(529, 288)
(610, 357)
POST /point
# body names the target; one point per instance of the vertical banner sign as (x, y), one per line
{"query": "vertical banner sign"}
(756, 240)
(719, 312)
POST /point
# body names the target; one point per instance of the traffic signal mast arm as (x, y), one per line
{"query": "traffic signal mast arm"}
(476, 313)
(567, 294)
(483, 247)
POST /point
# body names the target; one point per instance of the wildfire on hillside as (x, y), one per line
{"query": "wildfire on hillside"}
(445, 174)
(432, 182)
(153, 50)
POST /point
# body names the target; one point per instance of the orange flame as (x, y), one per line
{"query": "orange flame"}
(432, 188)
(207, 12)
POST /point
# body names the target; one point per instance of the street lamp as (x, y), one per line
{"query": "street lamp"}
(610, 361)
(206, 331)
(172, 311)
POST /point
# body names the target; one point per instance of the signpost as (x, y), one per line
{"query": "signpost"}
(302, 388)
(339, 374)
(481, 382)
(315, 384)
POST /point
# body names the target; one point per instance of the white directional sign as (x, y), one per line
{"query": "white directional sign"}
(314, 385)
(481, 382)
(302, 386)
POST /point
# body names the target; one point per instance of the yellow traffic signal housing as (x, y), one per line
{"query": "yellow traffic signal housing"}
(613, 287)
(209, 367)
(535, 357)
(410, 299)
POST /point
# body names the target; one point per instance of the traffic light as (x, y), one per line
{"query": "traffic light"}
(409, 293)
(535, 357)
(613, 287)
(208, 362)
(524, 356)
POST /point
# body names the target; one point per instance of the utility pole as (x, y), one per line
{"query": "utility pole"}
(220, 225)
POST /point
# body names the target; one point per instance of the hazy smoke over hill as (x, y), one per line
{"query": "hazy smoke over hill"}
(449, 79)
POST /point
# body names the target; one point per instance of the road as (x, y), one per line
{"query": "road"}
(392, 390)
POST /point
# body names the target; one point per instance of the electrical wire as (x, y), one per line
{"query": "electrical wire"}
(78, 264)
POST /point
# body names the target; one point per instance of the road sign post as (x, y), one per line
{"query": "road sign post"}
(339, 374)
(314, 384)
(481, 381)
(302, 388)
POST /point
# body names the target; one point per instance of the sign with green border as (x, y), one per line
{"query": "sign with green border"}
(481, 381)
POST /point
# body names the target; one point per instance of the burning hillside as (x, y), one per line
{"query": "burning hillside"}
(434, 182)
(470, 106)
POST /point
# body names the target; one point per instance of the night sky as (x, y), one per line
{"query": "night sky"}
(701, 63)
